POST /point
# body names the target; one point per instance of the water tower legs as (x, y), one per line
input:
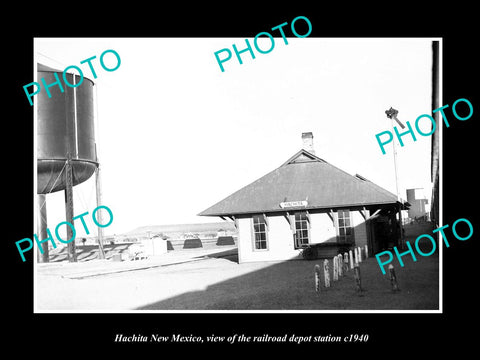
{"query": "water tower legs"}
(71, 248)
(98, 183)
(42, 227)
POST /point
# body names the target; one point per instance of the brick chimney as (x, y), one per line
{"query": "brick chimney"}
(307, 139)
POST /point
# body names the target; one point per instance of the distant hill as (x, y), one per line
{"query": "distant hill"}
(184, 228)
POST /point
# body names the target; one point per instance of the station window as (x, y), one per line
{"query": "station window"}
(301, 236)
(260, 232)
(345, 229)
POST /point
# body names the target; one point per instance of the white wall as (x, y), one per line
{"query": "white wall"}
(155, 246)
(280, 241)
(322, 229)
(280, 237)
(360, 228)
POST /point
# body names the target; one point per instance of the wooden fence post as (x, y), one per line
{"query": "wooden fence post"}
(317, 278)
(393, 278)
(358, 280)
(340, 265)
(326, 273)
(335, 268)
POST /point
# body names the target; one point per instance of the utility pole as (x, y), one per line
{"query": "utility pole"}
(98, 181)
(101, 252)
(392, 114)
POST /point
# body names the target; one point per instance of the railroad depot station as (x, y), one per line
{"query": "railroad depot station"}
(305, 203)
(308, 202)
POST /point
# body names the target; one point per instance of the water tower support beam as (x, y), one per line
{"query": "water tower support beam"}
(42, 227)
(71, 248)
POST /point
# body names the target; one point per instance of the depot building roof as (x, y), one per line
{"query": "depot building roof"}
(306, 181)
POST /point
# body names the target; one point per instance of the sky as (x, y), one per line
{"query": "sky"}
(175, 134)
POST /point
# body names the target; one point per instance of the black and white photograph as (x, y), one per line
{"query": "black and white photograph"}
(234, 212)
(255, 181)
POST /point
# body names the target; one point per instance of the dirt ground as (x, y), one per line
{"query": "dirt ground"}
(215, 281)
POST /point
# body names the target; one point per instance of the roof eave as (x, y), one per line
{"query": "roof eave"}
(280, 210)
